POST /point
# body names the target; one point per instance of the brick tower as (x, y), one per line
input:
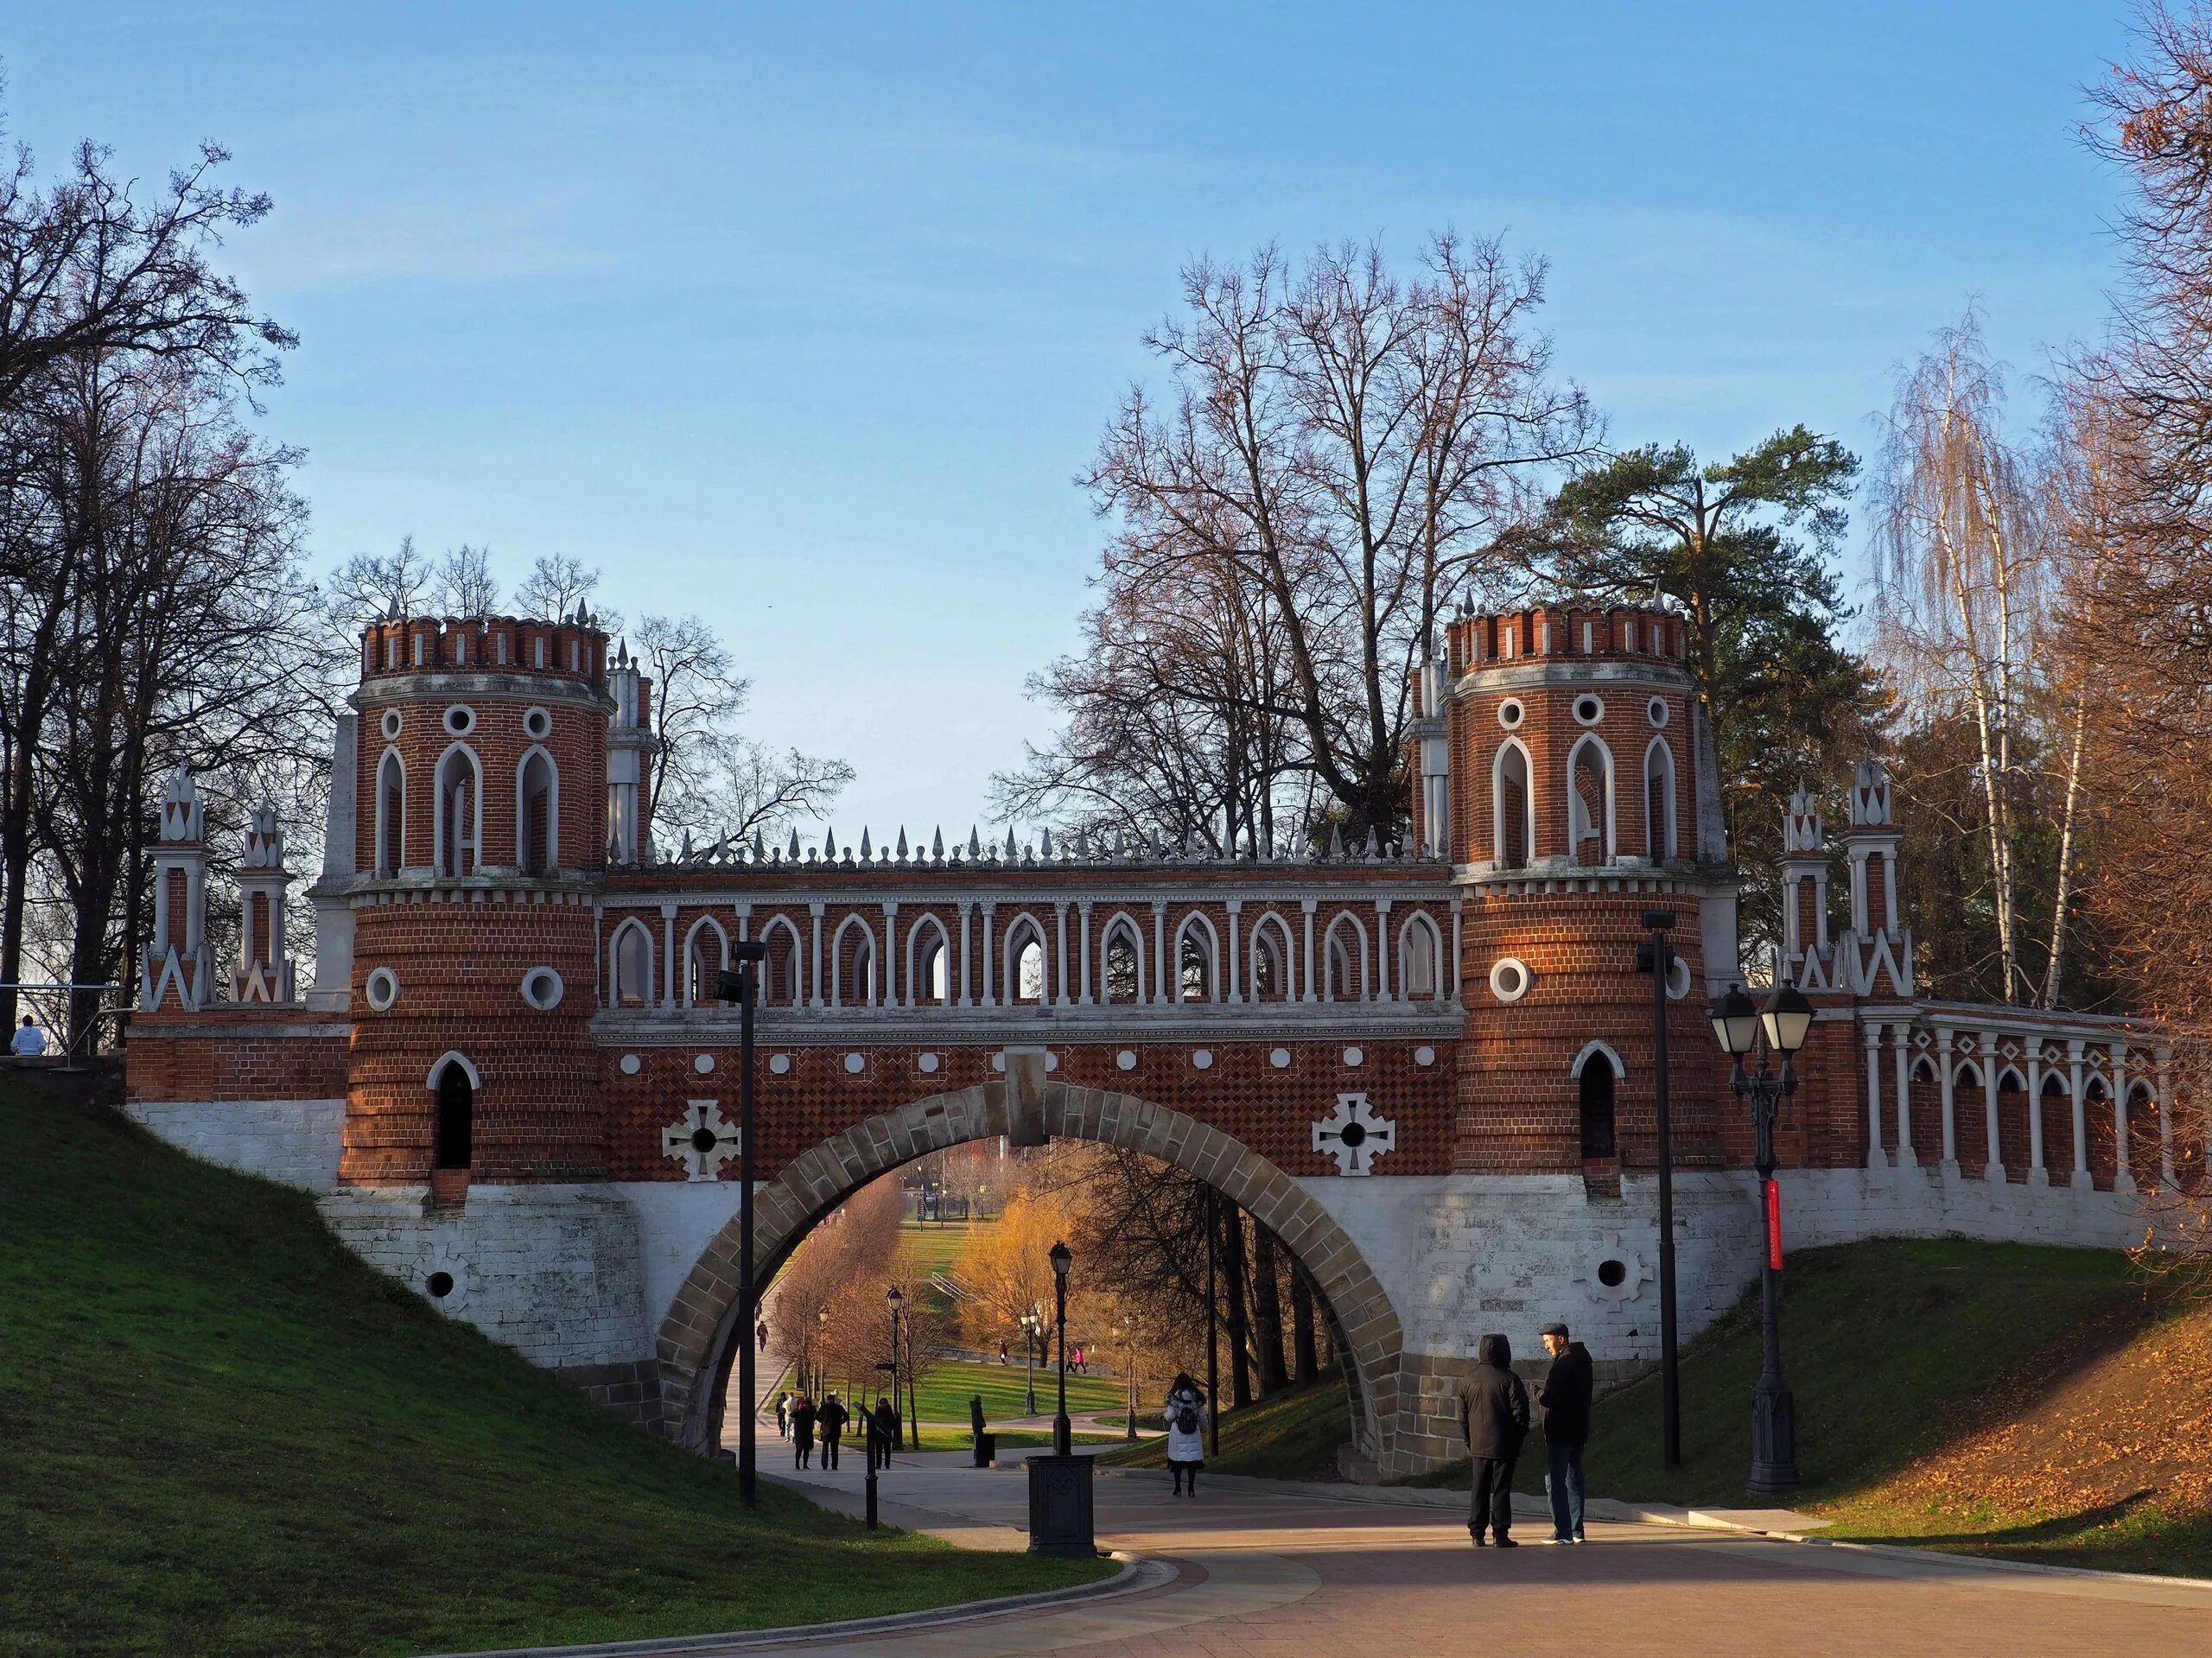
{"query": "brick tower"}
(1584, 796)
(479, 833)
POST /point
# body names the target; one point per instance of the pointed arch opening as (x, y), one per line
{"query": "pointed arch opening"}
(1198, 974)
(1513, 834)
(1027, 983)
(1120, 952)
(538, 813)
(705, 955)
(929, 964)
(1420, 960)
(1659, 842)
(453, 1132)
(1271, 958)
(852, 963)
(629, 966)
(1597, 1071)
(459, 788)
(1590, 803)
(392, 814)
(779, 978)
(1344, 956)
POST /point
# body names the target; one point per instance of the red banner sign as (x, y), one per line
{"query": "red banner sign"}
(1774, 1224)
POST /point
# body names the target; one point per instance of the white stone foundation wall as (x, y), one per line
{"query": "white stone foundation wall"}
(552, 1271)
(1843, 1205)
(295, 1142)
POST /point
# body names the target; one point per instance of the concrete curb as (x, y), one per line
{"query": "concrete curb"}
(1126, 1581)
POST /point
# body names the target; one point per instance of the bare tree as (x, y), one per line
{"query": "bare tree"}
(367, 588)
(557, 584)
(464, 585)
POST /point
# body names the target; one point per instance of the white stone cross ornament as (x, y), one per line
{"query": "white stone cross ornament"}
(702, 1140)
(1354, 1135)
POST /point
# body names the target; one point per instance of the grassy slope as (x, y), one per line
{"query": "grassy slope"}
(219, 1433)
(945, 1389)
(1898, 1352)
(1293, 1435)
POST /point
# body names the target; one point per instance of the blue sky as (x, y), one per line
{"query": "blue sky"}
(805, 316)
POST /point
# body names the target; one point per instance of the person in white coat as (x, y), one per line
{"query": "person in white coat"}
(1186, 1411)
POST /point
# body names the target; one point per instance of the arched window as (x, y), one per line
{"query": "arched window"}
(1196, 978)
(780, 975)
(1515, 832)
(392, 814)
(1420, 960)
(453, 1131)
(1025, 963)
(1590, 803)
(852, 983)
(630, 982)
(1596, 1075)
(1659, 801)
(460, 812)
(929, 978)
(1271, 979)
(538, 813)
(1123, 955)
(1345, 956)
(706, 954)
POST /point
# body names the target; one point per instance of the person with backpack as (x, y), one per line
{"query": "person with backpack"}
(886, 1431)
(831, 1420)
(1186, 1411)
(783, 1416)
(803, 1432)
(1494, 1417)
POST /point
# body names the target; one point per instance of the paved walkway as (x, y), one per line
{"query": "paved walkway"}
(1265, 1572)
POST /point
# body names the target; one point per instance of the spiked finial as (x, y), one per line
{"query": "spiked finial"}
(975, 843)
(902, 843)
(830, 842)
(937, 843)
(866, 852)
(1336, 840)
(791, 856)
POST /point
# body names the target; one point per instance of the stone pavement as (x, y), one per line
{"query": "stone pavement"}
(1271, 1573)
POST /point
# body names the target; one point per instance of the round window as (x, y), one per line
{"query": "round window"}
(542, 988)
(461, 719)
(1657, 711)
(537, 723)
(393, 721)
(1203, 1058)
(440, 1285)
(1613, 1273)
(381, 988)
(1589, 709)
(1678, 979)
(1510, 714)
(1509, 978)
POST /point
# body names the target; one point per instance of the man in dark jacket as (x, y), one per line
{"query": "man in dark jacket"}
(830, 1419)
(1565, 1397)
(1494, 1417)
(886, 1431)
(803, 1432)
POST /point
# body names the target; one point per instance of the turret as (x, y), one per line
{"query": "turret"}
(176, 972)
(629, 746)
(264, 970)
(1877, 950)
(1806, 957)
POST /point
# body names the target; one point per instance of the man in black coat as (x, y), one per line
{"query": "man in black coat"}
(1494, 1417)
(831, 1420)
(1565, 1397)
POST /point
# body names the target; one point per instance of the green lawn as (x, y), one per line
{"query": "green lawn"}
(1293, 1435)
(945, 1388)
(220, 1433)
(1892, 1349)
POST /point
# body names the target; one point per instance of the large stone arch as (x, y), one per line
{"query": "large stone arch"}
(694, 1337)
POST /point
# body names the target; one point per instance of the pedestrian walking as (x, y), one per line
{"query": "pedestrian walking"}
(803, 1432)
(783, 1416)
(1002, 1358)
(1494, 1417)
(886, 1431)
(1186, 1411)
(831, 1421)
(1565, 1397)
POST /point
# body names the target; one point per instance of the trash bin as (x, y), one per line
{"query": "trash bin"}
(987, 1448)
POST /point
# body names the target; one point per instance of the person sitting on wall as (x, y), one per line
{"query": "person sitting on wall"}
(29, 1041)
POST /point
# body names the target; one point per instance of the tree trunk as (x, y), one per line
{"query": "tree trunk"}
(1306, 1358)
(1232, 1283)
(1267, 1312)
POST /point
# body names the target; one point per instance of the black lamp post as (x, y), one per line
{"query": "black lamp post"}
(1739, 1024)
(1063, 1445)
(743, 987)
(898, 1306)
(1657, 958)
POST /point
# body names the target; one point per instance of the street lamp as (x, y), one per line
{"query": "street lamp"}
(1128, 1363)
(1738, 1025)
(743, 987)
(1658, 958)
(1062, 1259)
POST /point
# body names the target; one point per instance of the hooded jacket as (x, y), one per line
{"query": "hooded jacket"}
(1493, 1403)
(1565, 1396)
